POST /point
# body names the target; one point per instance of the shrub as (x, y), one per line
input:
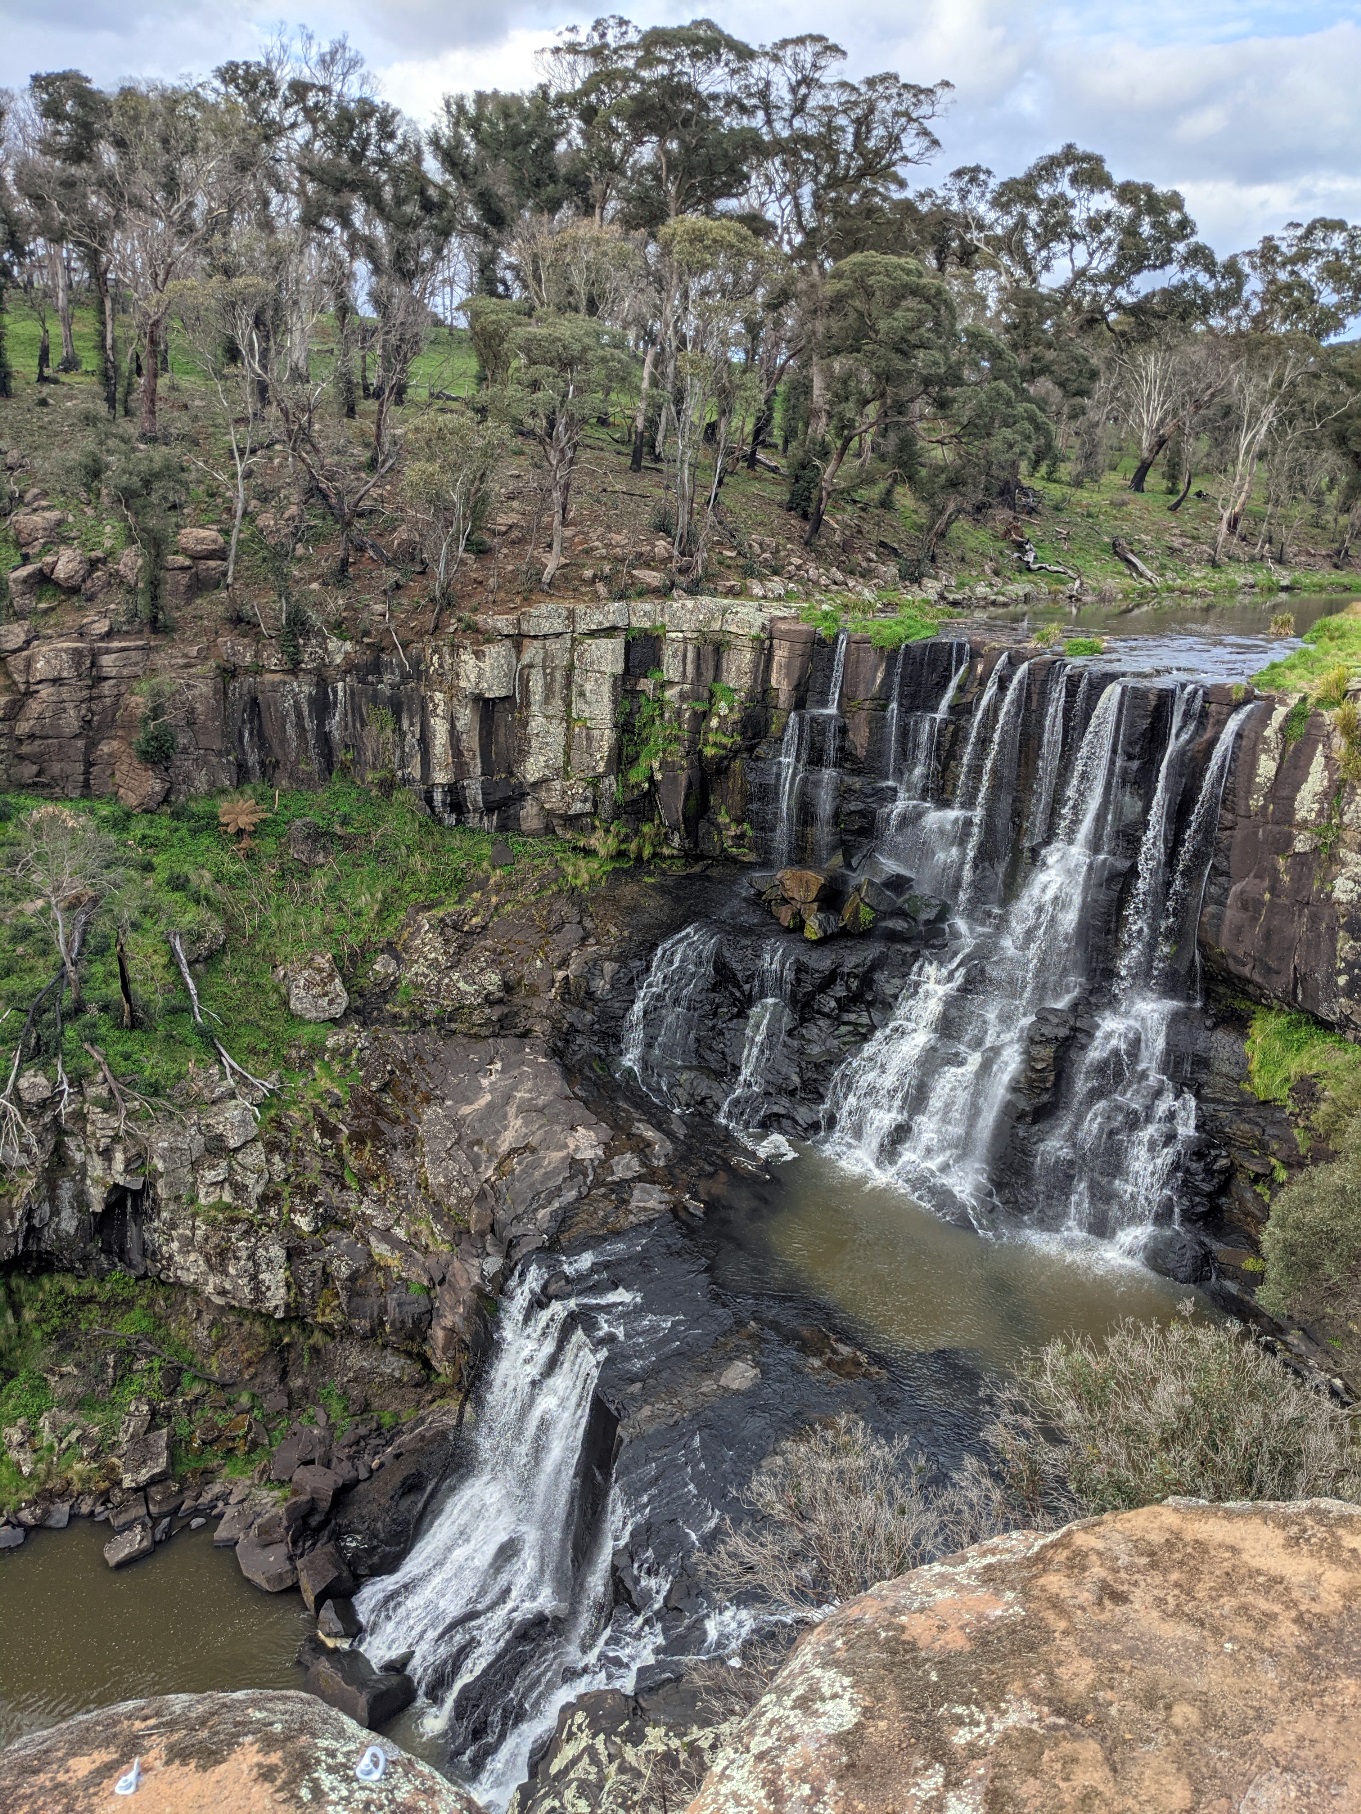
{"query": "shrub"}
(1312, 1245)
(1083, 645)
(1190, 1408)
(837, 1508)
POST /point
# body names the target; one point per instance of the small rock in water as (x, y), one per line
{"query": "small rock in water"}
(58, 1516)
(11, 1535)
(346, 1680)
(129, 1545)
(162, 1530)
(266, 1565)
(338, 1620)
(323, 1576)
(197, 1524)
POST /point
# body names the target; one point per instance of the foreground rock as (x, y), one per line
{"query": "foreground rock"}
(1186, 1656)
(250, 1753)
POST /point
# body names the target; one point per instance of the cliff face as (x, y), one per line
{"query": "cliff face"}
(1283, 908)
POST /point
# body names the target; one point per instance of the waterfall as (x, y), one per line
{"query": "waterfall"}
(504, 1598)
(923, 1105)
(1115, 1153)
(810, 763)
(663, 1025)
(936, 1101)
(1041, 808)
(768, 1025)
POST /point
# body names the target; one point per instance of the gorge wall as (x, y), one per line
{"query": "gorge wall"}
(556, 718)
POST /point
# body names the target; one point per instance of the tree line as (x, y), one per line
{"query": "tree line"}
(729, 243)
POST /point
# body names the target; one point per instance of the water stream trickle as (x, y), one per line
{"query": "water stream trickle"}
(809, 771)
(768, 1025)
(663, 1025)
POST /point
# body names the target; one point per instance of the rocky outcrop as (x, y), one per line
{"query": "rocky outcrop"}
(1283, 909)
(1183, 1656)
(394, 1213)
(250, 1753)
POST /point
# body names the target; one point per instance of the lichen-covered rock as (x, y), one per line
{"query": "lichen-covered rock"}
(201, 544)
(315, 991)
(250, 1753)
(31, 528)
(1185, 1656)
(70, 570)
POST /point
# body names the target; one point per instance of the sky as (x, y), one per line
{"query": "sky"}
(1250, 109)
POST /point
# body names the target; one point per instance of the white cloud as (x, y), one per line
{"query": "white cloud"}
(1248, 106)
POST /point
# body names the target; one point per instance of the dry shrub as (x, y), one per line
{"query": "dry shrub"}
(1189, 1409)
(838, 1508)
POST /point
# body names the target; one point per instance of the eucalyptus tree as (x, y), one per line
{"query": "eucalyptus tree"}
(887, 336)
(561, 372)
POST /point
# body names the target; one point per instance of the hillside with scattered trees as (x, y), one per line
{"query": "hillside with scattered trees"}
(688, 314)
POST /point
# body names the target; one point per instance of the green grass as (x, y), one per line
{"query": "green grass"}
(1331, 644)
(911, 620)
(1283, 1048)
(259, 906)
(1083, 645)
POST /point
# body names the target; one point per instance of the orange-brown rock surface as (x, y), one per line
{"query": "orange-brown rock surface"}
(1190, 1657)
(248, 1753)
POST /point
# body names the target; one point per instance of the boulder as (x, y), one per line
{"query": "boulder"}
(266, 1565)
(315, 991)
(127, 1512)
(1184, 1656)
(163, 1498)
(14, 637)
(802, 886)
(11, 1535)
(128, 567)
(279, 1523)
(338, 1622)
(57, 1516)
(34, 1088)
(130, 1544)
(256, 1752)
(303, 1444)
(70, 570)
(308, 844)
(233, 1525)
(23, 586)
(347, 1680)
(31, 528)
(202, 544)
(323, 1576)
(319, 1484)
(210, 575)
(146, 1458)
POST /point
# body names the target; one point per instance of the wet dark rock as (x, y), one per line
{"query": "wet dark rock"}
(261, 1751)
(376, 1522)
(1178, 1254)
(129, 1545)
(323, 1576)
(502, 856)
(339, 1620)
(58, 1516)
(11, 1535)
(266, 1565)
(346, 1680)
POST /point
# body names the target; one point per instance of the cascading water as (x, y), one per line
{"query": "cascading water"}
(663, 1024)
(922, 1104)
(809, 772)
(505, 1599)
(767, 1028)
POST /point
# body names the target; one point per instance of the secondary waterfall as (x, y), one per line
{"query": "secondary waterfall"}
(663, 1025)
(809, 769)
(505, 1598)
(767, 1027)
